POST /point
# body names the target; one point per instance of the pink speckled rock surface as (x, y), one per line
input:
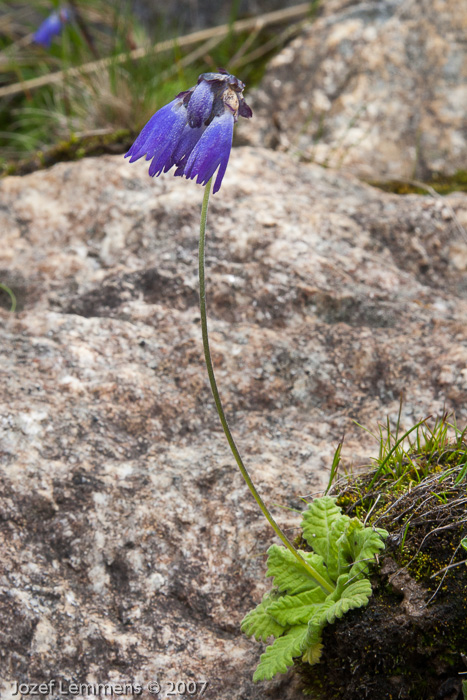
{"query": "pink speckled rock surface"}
(131, 549)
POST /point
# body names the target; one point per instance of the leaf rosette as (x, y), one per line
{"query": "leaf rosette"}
(296, 610)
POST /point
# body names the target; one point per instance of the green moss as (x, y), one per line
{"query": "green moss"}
(420, 565)
(410, 637)
(442, 184)
(75, 148)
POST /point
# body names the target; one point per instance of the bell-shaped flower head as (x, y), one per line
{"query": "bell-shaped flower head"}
(50, 27)
(194, 132)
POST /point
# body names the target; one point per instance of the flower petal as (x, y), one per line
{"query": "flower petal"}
(49, 28)
(212, 150)
(162, 155)
(200, 104)
(194, 131)
(185, 145)
(159, 137)
(244, 110)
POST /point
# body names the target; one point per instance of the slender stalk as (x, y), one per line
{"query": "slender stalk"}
(212, 380)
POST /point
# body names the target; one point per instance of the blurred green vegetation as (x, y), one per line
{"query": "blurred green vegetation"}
(92, 110)
(442, 184)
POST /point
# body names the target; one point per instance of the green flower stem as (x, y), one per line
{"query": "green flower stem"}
(212, 380)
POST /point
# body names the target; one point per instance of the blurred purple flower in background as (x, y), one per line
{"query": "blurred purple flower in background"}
(194, 131)
(50, 27)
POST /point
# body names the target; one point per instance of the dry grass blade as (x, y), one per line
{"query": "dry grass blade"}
(270, 45)
(246, 44)
(268, 19)
(192, 57)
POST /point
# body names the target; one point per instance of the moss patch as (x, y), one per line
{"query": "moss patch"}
(76, 148)
(442, 184)
(411, 640)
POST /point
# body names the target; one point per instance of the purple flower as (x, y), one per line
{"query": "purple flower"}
(194, 131)
(50, 27)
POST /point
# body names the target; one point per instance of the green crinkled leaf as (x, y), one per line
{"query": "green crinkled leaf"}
(344, 546)
(279, 656)
(341, 583)
(382, 532)
(259, 623)
(363, 545)
(295, 609)
(313, 643)
(289, 575)
(345, 598)
(312, 653)
(339, 556)
(356, 548)
(317, 525)
(298, 608)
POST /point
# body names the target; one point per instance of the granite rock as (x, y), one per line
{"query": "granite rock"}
(131, 549)
(379, 88)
